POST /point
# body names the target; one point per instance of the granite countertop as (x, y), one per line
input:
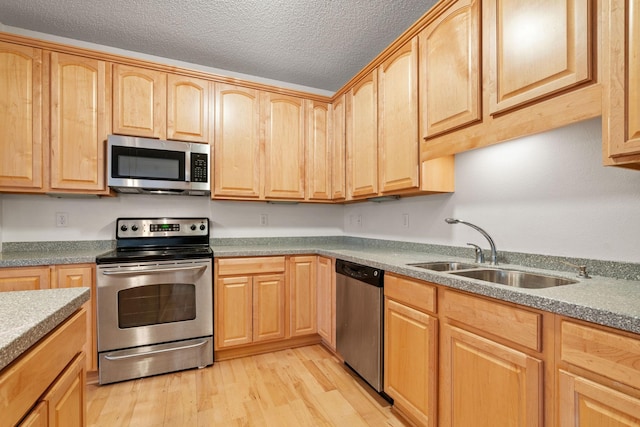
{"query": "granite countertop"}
(27, 316)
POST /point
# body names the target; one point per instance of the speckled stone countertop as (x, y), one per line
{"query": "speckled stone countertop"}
(27, 316)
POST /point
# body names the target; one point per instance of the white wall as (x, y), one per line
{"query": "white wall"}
(545, 194)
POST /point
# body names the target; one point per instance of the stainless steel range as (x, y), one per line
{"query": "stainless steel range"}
(155, 299)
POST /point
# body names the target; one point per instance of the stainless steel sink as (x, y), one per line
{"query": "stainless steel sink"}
(518, 279)
(444, 265)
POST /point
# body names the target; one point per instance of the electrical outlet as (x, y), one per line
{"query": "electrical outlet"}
(62, 219)
(264, 220)
(405, 220)
(359, 220)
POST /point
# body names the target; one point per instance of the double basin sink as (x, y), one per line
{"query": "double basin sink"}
(514, 278)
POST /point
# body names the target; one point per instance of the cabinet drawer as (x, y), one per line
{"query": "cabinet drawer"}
(607, 353)
(232, 266)
(514, 324)
(410, 292)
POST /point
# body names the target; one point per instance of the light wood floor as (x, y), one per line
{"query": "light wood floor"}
(306, 386)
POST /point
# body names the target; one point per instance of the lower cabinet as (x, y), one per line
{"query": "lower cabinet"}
(303, 298)
(326, 301)
(24, 278)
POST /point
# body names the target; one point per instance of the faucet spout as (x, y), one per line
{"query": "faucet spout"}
(494, 252)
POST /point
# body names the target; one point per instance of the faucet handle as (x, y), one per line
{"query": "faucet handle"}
(479, 253)
(582, 269)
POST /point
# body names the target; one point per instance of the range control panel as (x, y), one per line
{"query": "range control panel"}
(161, 227)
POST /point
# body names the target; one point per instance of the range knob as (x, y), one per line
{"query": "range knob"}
(193, 227)
(123, 227)
(134, 227)
(202, 227)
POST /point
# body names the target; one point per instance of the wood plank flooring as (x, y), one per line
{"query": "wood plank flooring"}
(306, 386)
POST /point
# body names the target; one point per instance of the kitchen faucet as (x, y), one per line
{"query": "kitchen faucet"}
(494, 253)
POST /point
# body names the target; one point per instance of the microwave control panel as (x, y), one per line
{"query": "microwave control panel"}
(199, 167)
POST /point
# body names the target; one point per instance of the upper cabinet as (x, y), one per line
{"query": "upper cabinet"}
(398, 148)
(318, 150)
(362, 138)
(621, 63)
(154, 104)
(21, 159)
(338, 150)
(450, 80)
(536, 48)
(80, 113)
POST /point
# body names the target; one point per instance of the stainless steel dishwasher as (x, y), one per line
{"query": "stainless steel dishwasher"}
(359, 319)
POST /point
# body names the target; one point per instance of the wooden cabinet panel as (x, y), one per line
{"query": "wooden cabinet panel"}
(584, 403)
(398, 120)
(411, 292)
(326, 301)
(80, 114)
(139, 102)
(283, 121)
(450, 82)
(37, 417)
(24, 278)
(21, 163)
(469, 364)
(66, 400)
(268, 307)
(236, 153)
(338, 150)
(250, 265)
(411, 361)
(188, 106)
(233, 313)
(362, 138)
(318, 160)
(302, 295)
(526, 63)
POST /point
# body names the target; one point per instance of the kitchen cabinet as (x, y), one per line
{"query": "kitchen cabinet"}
(491, 363)
(338, 149)
(621, 100)
(24, 278)
(21, 118)
(598, 376)
(80, 116)
(154, 104)
(249, 300)
(410, 350)
(50, 378)
(398, 149)
(81, 275)
(318, 159)
(236, 150)
(450, 80)
(326, 301)
(284, 146)
(362, 138)
(302, 294)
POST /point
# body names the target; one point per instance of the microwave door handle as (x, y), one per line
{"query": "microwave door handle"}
(154, 270)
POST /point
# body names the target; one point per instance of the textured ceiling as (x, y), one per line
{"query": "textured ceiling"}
(315, 43)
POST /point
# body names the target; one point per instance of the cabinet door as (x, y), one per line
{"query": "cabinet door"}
(268, 307)
(326, 301)
(338, 150)
(20, 117)
(37, 417)
(536, 48)
(584, 403)
(139, 102)
(398, 120)
(410, 360)
(233, 313)
(486, 384)
(318, 150)
(283, 121)
(24, 278)
(302, 281)
(80, 97)
(450, 89)
(188, 103)
(66, 400)
(75, 276)
(236, 153)
(362, 138)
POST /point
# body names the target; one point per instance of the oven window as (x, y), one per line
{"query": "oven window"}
(155, 304)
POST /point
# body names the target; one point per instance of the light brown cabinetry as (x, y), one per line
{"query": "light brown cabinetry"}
(326, 301)
(65, 400)
(398, 148)
(338, 150)
(303, 294)
(410, 351)
(188, 108)
(599, 377)
(21, 118)
(24, 278)
(318, 158)
(80, 122)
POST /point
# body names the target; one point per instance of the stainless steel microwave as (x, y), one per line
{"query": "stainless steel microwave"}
(152, 166)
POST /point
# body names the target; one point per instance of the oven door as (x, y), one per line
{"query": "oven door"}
(153, 303)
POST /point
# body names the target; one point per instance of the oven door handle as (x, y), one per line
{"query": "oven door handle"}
(153, 270)
(149, 353)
